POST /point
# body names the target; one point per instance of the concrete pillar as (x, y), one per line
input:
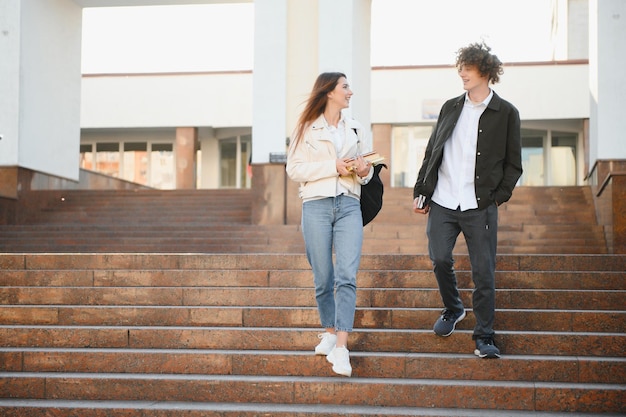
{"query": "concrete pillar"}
(294, 42)
(607, 124)
(185, 152)
(40, 78)
(269, 79)
(607, 58)
(344, 46)
(618, 199)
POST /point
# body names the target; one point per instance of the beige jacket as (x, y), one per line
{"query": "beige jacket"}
(312, 161)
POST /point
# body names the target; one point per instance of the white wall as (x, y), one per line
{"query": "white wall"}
(607, 58)
(553, 91)
(538, 91)
(40, 75)
(121, 3)
(398, 96)
(269, 95)
(50, 87)
(218, 100)
(344, 46)
(9, 81)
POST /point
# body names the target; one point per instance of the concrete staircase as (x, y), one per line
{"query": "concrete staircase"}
(172, 304)
(541, 220)
(232, 335)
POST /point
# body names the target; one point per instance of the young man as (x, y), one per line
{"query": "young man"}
(471, 165)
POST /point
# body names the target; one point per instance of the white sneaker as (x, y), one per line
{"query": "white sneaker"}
(327, 344)
(340, 358)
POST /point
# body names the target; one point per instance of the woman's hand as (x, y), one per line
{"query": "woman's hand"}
(359, 166)
(362, 167)
(344, 166)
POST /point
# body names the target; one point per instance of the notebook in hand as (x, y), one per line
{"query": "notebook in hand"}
(373, 158)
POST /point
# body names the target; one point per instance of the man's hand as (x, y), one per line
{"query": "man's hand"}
(423, 210)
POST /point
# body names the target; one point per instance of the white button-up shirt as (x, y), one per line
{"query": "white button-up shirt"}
(455, 186)
(339, 139)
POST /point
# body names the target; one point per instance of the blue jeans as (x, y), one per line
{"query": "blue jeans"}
(480, 228)
(334, 222)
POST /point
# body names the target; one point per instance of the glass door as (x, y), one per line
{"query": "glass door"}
(549, 158)
(108, 158)
(135, 165)
(408, 147)
(235, 156)
(162, 166)
(532, 159)
(563, 158)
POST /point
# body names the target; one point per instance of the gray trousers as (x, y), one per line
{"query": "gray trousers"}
(480, 229)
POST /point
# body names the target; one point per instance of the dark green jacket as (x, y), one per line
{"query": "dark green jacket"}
(498, 151)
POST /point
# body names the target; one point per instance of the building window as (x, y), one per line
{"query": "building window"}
(135, 157)
(162, 166)
(234, 158)
(532, 160)
(144, 163)
(407, 153)
(549, 158)
(108, 159)
(86, 157)
(563, 158)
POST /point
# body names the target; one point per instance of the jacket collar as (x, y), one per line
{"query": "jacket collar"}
(494, 103)
(320, 123)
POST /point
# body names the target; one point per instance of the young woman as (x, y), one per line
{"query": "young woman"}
(324, 157)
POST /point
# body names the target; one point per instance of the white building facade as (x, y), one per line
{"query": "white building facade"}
(205, 130)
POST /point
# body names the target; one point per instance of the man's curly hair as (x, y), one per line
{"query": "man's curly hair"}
(478, 55)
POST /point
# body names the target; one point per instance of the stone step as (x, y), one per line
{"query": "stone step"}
(538, 368)
(564, 222)
(366, 318)
(406, 216)
(563, 356)
(267, 338)
(146, 206)
(46, 408)
(374, 229)
(274, 262)
(225, 323)
(139, 219)
(180, 246)
(108, 201)
(301, 278)
(199, 223)
(566, 210)
(188, 218)
(298, 297)
(238, 231)
(241, 233)
(145, 235)
(491, 395)
(185, 227)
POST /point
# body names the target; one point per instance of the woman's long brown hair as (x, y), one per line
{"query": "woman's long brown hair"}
(316, 104)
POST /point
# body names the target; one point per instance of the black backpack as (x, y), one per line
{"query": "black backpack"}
(372, 196)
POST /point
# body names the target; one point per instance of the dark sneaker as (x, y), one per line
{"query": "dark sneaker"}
(444, 326)
(486, 348)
